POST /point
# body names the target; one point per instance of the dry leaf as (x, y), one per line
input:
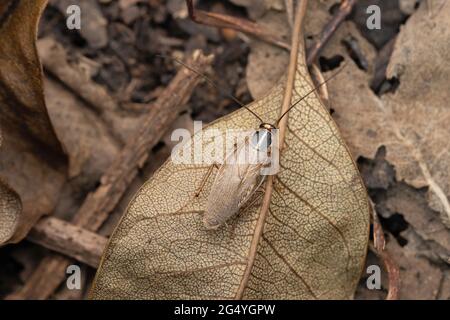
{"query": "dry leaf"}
(94, 24)
(65, 66)
(423, 222)
(411, 123)
(10, 208)
(257, 8)
(87, 140)
(426, 255)
(31, 158)
(267, 63)
(408, 6)
(315, 235)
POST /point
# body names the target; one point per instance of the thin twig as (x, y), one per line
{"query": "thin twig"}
(289, 6)
(344, 10)
(379, 241)
(71, 240)
(392, 271)
(256, 30)
(381, 63)
(393, 275)
(288, 91)
(98, 205)
(379, 248)
(225, 21)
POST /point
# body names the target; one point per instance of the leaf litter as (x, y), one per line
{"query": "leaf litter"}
(415, 231)
(161, 250)
(31, 154)
(410, 125)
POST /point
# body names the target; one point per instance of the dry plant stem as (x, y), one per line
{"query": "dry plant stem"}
(98, 204)
(393, 274)
(94, 94)
(252, 28)
(378, 236)
(225, 21)
(45, 278)
(318, 78)
(392, 270)
(381, 63)
(344, 10)
(289, 5)
(299, 17)
(66, 238)
(379, 248)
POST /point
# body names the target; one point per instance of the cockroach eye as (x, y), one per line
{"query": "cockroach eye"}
(262, 140)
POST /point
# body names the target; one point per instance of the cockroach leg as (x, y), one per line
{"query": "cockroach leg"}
(205, 178)
(258, 195)
(276, 185)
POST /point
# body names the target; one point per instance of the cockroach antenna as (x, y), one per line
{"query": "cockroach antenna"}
(211, 82)
(312, 90)
(207, 79)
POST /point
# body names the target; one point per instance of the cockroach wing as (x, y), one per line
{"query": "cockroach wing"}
(249, 184)
(236, 181)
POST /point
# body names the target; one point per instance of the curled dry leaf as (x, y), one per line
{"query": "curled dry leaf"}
(31, 158)
(65, 66)
(315, 236)
(90, 140)
(87, 140)
(10, 208)
(411, 123)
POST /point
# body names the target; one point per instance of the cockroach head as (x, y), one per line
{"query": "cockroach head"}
(267, 126)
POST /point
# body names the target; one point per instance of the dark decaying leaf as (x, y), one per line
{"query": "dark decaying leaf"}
(31, 158)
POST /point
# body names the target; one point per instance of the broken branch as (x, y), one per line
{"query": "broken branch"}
(344, 10)
(71, 240)
(225, 21)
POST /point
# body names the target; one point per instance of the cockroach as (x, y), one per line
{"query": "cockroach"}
(237, 181)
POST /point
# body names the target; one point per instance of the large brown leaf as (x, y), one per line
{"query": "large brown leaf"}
(31, 158)
(89, 141)
(411, 123)
(412, 126)
(314, 240)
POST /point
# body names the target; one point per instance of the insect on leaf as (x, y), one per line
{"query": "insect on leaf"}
(314, 239)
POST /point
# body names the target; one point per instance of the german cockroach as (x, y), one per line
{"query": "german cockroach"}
(237, 180)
